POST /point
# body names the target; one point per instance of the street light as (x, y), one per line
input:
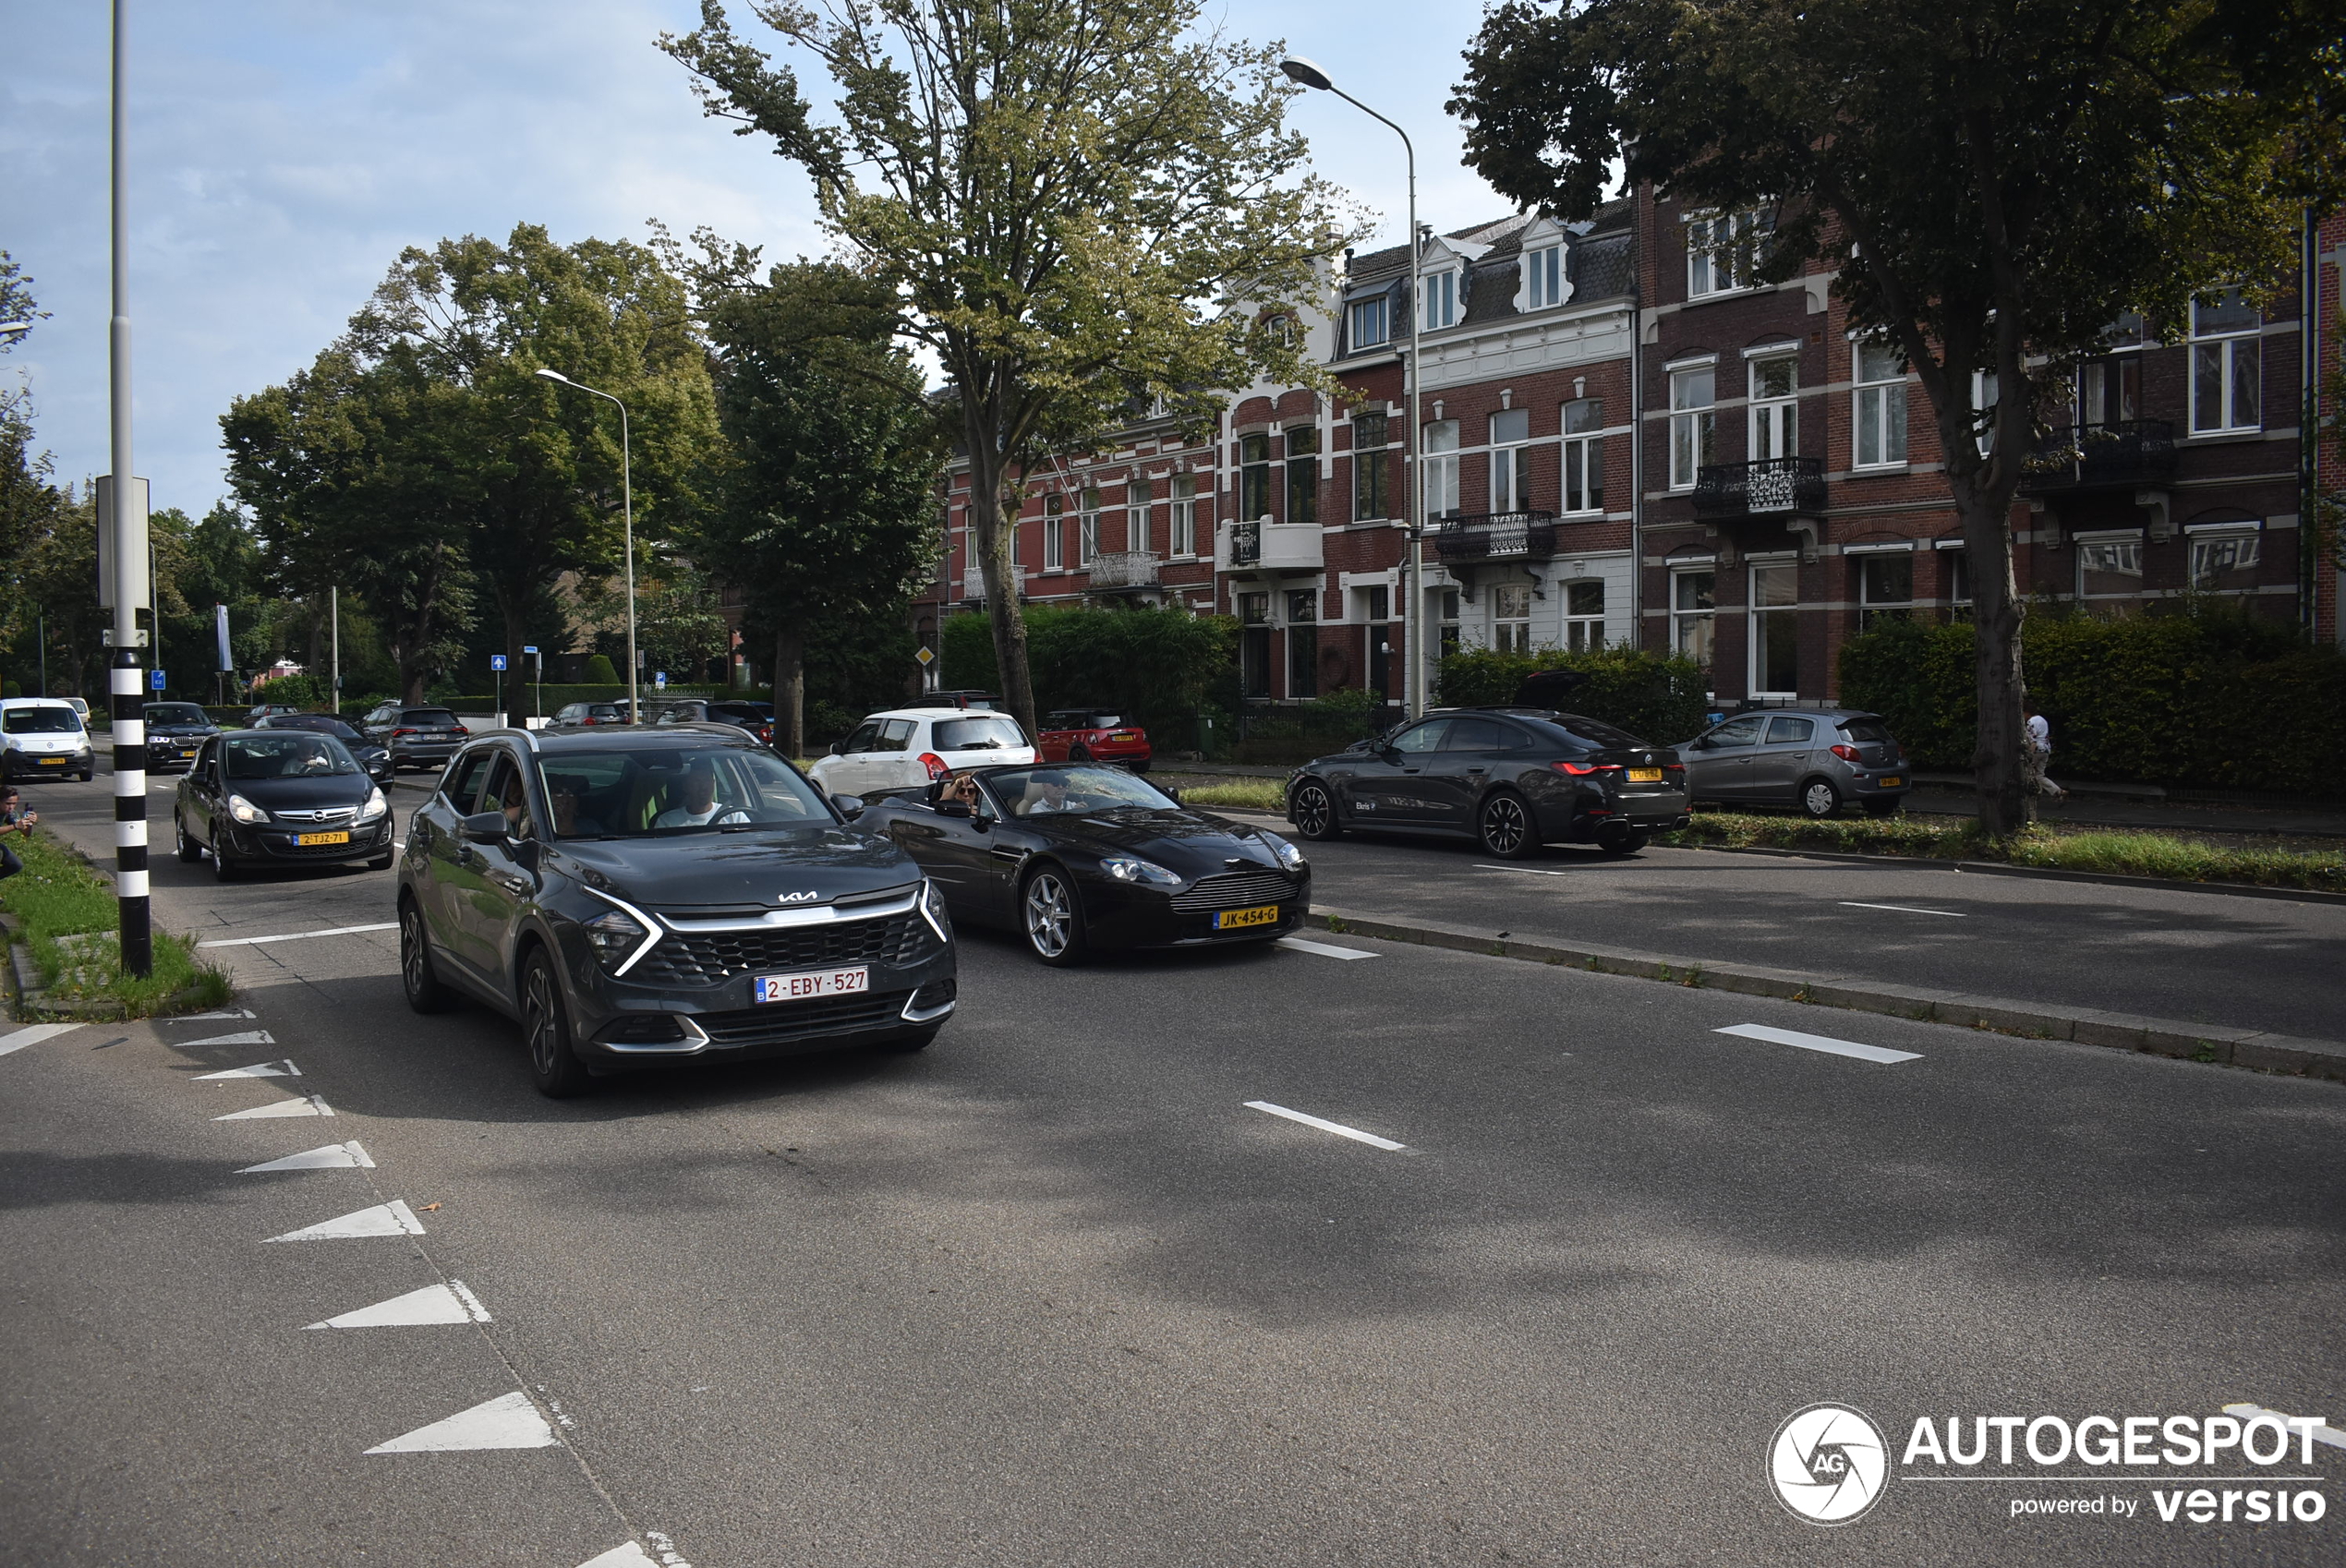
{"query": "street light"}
(10, 329)
(628, 493)
(1303, 73)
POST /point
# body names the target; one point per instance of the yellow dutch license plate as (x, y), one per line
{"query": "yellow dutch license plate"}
(1891, 780)
(1645, 775)
(1231, 919)
(306, 840)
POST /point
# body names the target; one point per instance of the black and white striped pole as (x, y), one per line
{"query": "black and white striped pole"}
(127, 562)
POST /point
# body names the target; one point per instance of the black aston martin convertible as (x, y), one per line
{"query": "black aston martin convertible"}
(1077, 857)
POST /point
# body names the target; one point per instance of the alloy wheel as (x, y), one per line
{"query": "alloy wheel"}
(545, 1031)
(1051, 914)
(1315, 813)
(1504, 826)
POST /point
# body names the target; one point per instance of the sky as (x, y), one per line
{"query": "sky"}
(283, 151)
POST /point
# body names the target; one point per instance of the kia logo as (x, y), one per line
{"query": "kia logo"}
(797, 898)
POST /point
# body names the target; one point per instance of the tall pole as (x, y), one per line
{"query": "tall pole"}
(627, 504)
(129, 554)
(333, 603)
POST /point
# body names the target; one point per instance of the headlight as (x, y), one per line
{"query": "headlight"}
(244, 811)
(933, 911)
(614, 935)
(376, 806)
(1125, 869)
(1289, 856)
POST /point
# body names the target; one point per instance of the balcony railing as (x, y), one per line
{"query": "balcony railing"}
(2117, 455)
(1262, 546)
(1771, 486)
(1124, 569)
(1495, 536)
(974, 581)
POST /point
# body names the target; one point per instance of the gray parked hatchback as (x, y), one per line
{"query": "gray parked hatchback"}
(1809, 757)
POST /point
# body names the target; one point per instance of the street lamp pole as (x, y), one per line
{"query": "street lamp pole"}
(126, 681)
(1303, 73)
(627, 493)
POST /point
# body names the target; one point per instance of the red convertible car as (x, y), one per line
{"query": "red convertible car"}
(1094, 734)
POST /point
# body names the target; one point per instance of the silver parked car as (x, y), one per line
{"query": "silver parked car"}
(1809, 757)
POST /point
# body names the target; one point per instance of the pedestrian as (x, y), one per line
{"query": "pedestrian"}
(2038, 736)
(13, 815)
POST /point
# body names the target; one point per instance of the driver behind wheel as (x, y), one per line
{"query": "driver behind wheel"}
(700, 807)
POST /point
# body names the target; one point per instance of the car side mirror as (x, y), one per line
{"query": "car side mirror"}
(850, 807)
(484, 827)
(1388, 754)
(1703, 744)
(1174, 796)
(839, 748)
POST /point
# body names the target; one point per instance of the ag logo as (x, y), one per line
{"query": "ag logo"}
(1828, 1463)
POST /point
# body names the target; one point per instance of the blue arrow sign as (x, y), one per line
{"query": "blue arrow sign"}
(496, 661)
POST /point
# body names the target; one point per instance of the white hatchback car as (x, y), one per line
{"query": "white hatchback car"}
(905, 747)
(43, 737)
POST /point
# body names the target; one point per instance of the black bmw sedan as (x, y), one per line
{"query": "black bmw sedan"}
(1077, 857)
(1511, 779)
(175, 732)
(279, 797)
(371, 755)
(640, 895)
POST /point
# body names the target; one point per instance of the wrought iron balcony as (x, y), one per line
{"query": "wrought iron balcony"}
(974, 581)
(1773, 487)
(1495, 536)
(2118, 455)
(1123, 568)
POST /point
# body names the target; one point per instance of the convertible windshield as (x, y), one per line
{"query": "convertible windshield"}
(1050, 791)
(39, 721)
(294, 755)
(634, 794)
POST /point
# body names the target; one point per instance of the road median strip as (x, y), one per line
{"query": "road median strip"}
(2259, 1049)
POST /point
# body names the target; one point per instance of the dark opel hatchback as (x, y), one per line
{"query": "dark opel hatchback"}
(633, 896)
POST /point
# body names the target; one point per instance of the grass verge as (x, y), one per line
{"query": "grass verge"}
(67, 913)
(1269, 795)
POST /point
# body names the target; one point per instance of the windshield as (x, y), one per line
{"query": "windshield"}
(174, 713)
(1866, 732)
(987, 733)
(635, 795)
(1050, 791)
(286, 754)
(1083, 719)
(439, 718)
(40, 721)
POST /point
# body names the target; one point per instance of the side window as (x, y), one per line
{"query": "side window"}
(1471, 735)
(507, 793)
(463, 782)
(865, 734)
(1790, 731)
(1737, 732)
(1421, 738)
(894, 734)
(210, 754)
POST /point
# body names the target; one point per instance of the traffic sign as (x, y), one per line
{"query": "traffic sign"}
(527, 647)
(927, 657)
(660, 678)
(155, 680)
(496, 661)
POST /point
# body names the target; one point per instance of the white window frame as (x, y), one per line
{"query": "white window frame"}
(1511, 464)
(1440, 449)
(1758, 614)
(2124, 547)
(1054, 540)
(1869, 609)
(1877, 409)
(2204, 541)
(2237, 353)
(1087, 535)
(1442, 293)
(1721, 250)
(1583, 629)
(1543, 277)
(1582, 461)
(1696, 623)
(1377, 310)
(1511, 617)
(1781, 411)
(1184, 541)
(1693, 426)
(1138, 496)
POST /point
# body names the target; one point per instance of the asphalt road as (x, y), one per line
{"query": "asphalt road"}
(1054, 1293)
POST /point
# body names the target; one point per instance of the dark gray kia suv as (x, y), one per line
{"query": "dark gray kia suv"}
(643, 896)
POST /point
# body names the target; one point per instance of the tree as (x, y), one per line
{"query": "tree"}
(1081, 204)
(1992, 184)
(29, 503)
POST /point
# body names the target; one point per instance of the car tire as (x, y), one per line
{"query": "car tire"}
(87, 774)
(1819, 798)
(546, 1029)
(224, 869)
(1883, 806)
(1314, 812)
(1078, 753)
(1504, 826)
(189, 851)
(417, 976)
(1050, 917)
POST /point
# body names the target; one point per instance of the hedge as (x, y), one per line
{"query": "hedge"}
(1658, 697)
(2205, 699)
(1160, 668)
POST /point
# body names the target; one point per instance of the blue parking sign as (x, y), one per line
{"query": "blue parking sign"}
(496, 661)
(155, 679)
(660, 678)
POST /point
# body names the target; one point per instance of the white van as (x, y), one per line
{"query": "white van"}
(43, 737)
(905, 747)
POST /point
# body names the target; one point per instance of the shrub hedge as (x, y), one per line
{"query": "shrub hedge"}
(2205, 699)
(1656, 698)
(1160, 668)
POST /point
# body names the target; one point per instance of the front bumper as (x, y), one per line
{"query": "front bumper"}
(276, 844)
(35, 764)
(1125, 916)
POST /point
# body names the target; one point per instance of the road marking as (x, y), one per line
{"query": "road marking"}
(308, 1105)
(259, 1070)
(1299, 945)
(1527, 870)
(510, 1420)
(327, 1157)
(393, 1218)
(628, 1556)
(34, 1036)
(2329, 1435)
(449, 1303)
(1902, 908)
(200, 1017)
(1337, 1128)
(1825, 1042)
(242, 1037)
(297, 935)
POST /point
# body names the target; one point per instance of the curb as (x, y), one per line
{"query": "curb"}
(2258, 1049)
(2040, 873)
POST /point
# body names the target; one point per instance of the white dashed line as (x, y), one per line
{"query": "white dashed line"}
(449, 1303)
(297, 935)
(1902, 908)
(34, 1036)
(242, 1037)
(259, 1070)
(1337, 1128)
(349, 1156)
(309, 1105)
(1301, 945)
(1527, 870)
(510, 1420)
(393, 1218)
(1818, 1043)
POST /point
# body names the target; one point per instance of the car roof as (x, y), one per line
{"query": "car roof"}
(635, 737)
(938, 713)
(34, 702)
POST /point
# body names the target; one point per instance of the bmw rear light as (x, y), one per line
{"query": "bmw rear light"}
(1582, 769)
(936, 765)
(1848, 754)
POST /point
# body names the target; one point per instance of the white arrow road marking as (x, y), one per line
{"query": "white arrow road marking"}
(259, 1070)
(242, 1037)
(450, 1303)
(200, 1017)
(309, 1105)
(1902, 908)
(1818, 1043)
(1299, 945)
(1337, 1128)
(510, 1420)
(34, 1036)
(393, 1218)
(326, 1157)
(297, 935)
(628, 1556)
(2329, 1435)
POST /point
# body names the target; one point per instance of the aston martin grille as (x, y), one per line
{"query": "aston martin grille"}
(706, 957)
(1236, 889)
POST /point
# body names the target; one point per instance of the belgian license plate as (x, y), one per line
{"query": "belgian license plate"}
(306, 840)
(1645, 775)
(1891, 780)
(1232, 920)
(815, 982)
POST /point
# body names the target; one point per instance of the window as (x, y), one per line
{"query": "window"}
(1369, 467)
(1775, 411)
(1302, 642)
(1441, 299)
(2110, 569)
(1885, 586)
(1371, 322)
(2227, 364)
(1054, 532)
(1449, 623)
(1421, 738)
(1583, 616)
(1137, 496)
(1254, 645)
(1775, 629)
(1441, 469)
(895, 734)
(1723, 250)
(1788, 731)
(1302, 474)
(1881, 408)
(1184, 489)
(2220, 563)
(1543, 278)
(1474, 735)
(1254, 476)
(1984, 393)
(1694, 425)
(1955, 575)
(1087, 537)
(1511, 618)
(1583, 455)
(1510, 462)
(1693, 610)
(2110, 391)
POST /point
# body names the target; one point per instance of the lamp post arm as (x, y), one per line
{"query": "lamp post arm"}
(627, 503)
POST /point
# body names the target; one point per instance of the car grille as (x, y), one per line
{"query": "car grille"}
(796, 1020)
(288, 850)
(706, 957)
(1238, 889)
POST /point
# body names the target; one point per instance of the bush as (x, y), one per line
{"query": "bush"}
(600, 672)
(294, 690)
(1156, 667)
(1657, 697)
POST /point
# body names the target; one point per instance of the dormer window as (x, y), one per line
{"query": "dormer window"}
(1371, 323)
(1441, 300)
(1543, 278)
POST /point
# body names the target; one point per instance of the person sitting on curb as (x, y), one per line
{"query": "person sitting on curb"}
(13, 815)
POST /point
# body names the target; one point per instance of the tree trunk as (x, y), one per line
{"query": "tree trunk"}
(507, 600)
(1998, 776)
(1007, 617)
(790, 690)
